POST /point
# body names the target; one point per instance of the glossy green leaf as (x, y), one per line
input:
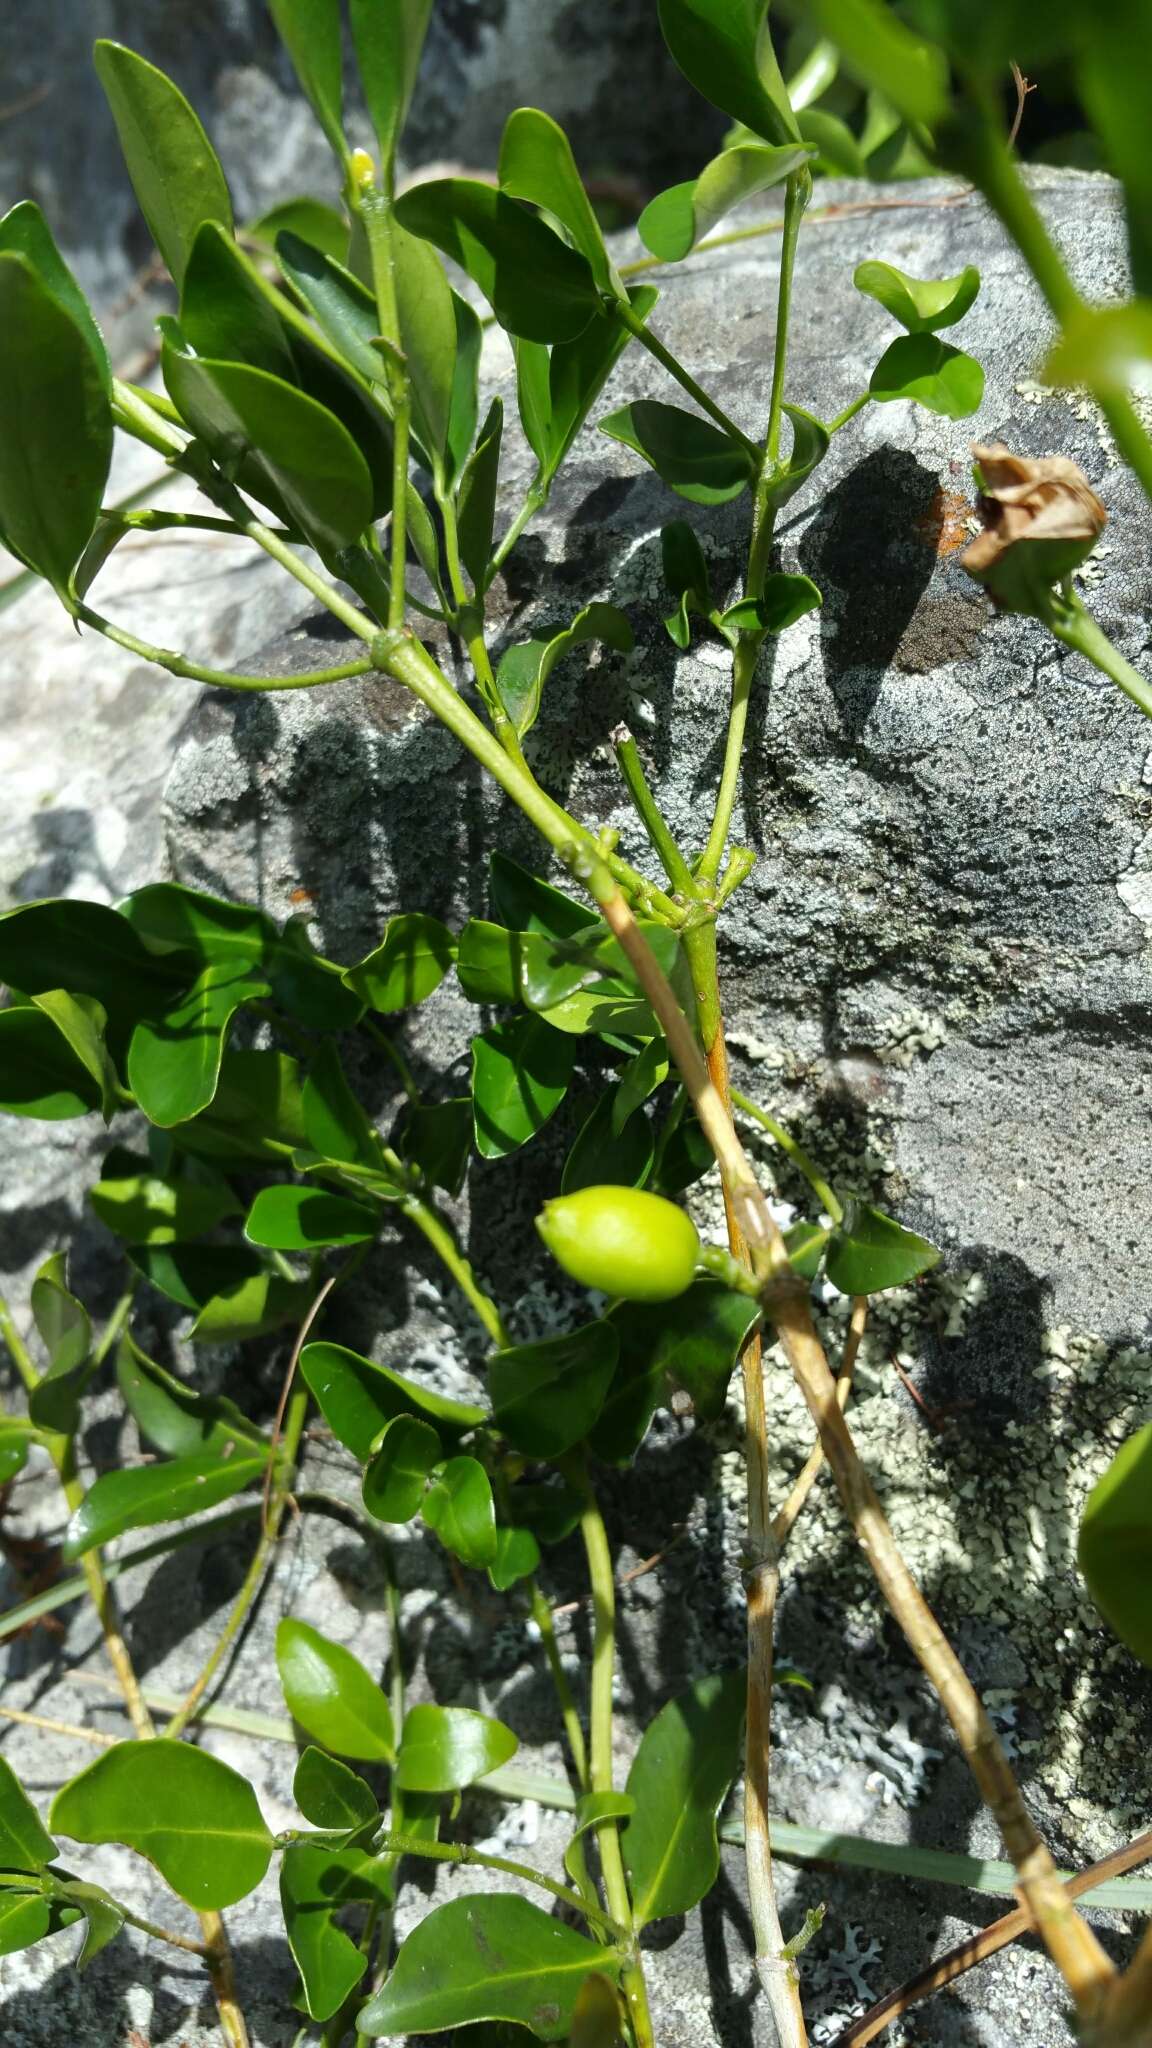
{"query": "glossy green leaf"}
(81, 1022)
(592, 1808)
(174, 1059)
(940, 378)
(315, 1883)
(687, 452)
(310, 220)
(174, 169)
(546, 1396)
(538, 287)
(55, 426)
(525, 669)
(868, 1252)
(307, 455)
(310, 32)
(336, 1125)
(878, 49)
(556, 389)
(25, 1843)
(423, 541)
(40, 1075)
(444, 1748)
(838, 152)
(25, 232)
(724, 49)
(683, 1156)
(604, 1155)
(358, 1399)
(397, 1470)
(330, 1795)
(388, 40)
(426, 305)
(411, 961)
(1115, 1547)
(229, 314)
(174, 1417)
(551, 1510)
(26, 1917)
(103, 956)
(476, 499)
(805, 1243)
(465, 407)
(638, 1080)
(810, 444)
(608, 1007)
(331, 1695)
(258, 1100)
(458, 1507)
(686, 1761)
(691, 1344)
(524, 902)
(192, 1816)
(1105, 349)
(16, 1439)
(536, 163)
(672, 223)
(144, 1209)
(291, 1219)
(686, 574)
(343, 309)
(489, 961)
(170, 919)
(517, 1556)
(785, 599)
(264, 1301)
(520, 1076)
(920, 304)
(489, 1957)
(140, 1496)
(192, 1274)
(436, 1137)
(598, 2016)
(65, 1331)
(103, 1917)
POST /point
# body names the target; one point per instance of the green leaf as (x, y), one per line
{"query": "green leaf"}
(171, 919)
(549, 1509)
(140, 1496)
(476, 499)
(940, 378)
(94, 945)
(524, 670)
(489, 1957)
(805, 1244)
(672, 223)
(343, 309)
(309, 220)
(591, 1809)
(174, 1058)
(598, 2017)
(458, 1507)
(692, 1343)
(55, 426)
(465, 408)
(810, 444)
(609, 1007)
(638, 1080)
(411, 961)
(25, 1843)
(520, 1076)
(336, 1125)
(26, 1917)
(25, 232)
(397, 1470)
(1115, 1548)
(869, 1252)
(192, 1816)
(262, 1302)
(330, 1795)
(358, 1399)
(426, 305)
(103, 1917)
(436, 1137)
(66, 1334)
(443, 1749)
(546, 1396)
(142, 1208)
(331, 1695)
(527, 904)
(173, 167)
(40, 1075)
(388, 41)
(687, 452)
(192, 1274)
(310, 32)
(291, 1219)
(315, 1883)
(557, 389)
(785, 599)
(258, 1101)
(683, 1156)
(536, 163)
(686, 1761)
(724, 49)
(879, 51)
(919, 304)
(608, 1154)
(228, 312)
(517, 1556)
(839, 153)
(686, 574)
(176, 1418)
(16, 1440)
(1106, 349)
(538, 288)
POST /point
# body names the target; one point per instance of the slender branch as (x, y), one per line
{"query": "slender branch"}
(1075, 626)
(651, 816)
(536, 498)
(433, 1227)
(744, 660)
(165, 1934)
(787, 1517)
(221, 679)
(797, 192)
(849, 413)
(796, 1153)
(461, 1852)
(675, 368)
(542, 1616)
(63, 1453)
(115, 1324)
(18, 1351)
(375, 210)
(69, 1728)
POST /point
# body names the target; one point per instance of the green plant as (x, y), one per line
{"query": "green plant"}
(336, 388)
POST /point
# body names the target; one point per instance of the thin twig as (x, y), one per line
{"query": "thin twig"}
(786, 1519)
(69, 1728)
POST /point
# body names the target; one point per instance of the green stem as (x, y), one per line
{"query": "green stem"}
(669, 362)
(154, 521)
(432, 1226)
(652, 818)
(1076, 627)
(744, 659)
(796, 195)
(18, 1350)
(849, 412)
(375, 209)
(535, 500)
(196, 1948)
(542, 1616)
(115, 1324)
(827, 1199)
(461, 1852)
(196, 672)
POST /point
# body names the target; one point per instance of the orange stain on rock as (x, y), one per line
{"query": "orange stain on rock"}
(943, 526)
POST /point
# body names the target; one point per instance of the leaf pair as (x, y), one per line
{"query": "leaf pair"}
(920, 366)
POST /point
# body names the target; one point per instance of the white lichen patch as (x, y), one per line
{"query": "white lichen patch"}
(912, 1032)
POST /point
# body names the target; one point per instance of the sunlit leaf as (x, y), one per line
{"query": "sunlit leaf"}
(489, 1957)
(140, 1496)
(687, 452)
(536, 163)
(1115, 1548)
(66, 1333)
(25, 232)
(525, 669)
(174, 1058)
(292, 1219)
(445, 1748)
(547, 1395)
(941, 378)
(724, 49)
(25, 1843)
(868, 1252)
(397, 1471)
(476, 511)
(520, 1076)
(330, 1795)
(192, 1816)
(55, 425)
(174, 169)
(388, 41)
(537, 286)
(177, 1419)
(879, 50)
(458, 1506)
(672, 223)
(358, 1399)
(315, 1883)
(331, 1695)
(310, 32)
(687, 1759)
(919, 304)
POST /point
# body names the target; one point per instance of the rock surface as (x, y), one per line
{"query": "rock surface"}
(938, 974)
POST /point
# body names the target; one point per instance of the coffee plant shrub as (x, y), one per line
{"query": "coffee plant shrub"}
(324, 397)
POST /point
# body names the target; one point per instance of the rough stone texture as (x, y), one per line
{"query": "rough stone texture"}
(483, 57)
(937, 973)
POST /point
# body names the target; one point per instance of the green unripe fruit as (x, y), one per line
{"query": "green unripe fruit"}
(625, 1242)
